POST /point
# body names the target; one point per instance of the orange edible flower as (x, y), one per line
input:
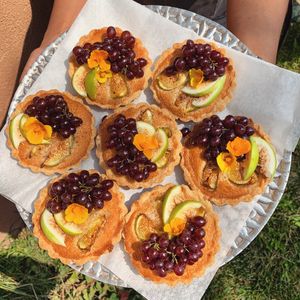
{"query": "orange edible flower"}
(196, 77)
(146, 143)
(98, 61)
(227, 162)
(76, 213)
(102, 76)
(175, 227)
(238, 146)
(35, 131)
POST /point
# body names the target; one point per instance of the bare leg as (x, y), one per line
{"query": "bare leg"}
(258, 24)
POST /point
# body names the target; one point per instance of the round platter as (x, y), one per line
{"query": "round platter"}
(265, 205)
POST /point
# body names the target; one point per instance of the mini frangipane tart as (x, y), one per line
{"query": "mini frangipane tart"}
(171, 234)
(193, 80)
(79, 216)
(109, 67)
(51, 132)
(138, 145)
(229, 160)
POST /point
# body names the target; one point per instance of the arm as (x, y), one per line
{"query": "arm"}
(62, 16)
(258, 24)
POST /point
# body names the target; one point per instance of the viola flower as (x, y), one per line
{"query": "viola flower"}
(238, 146)
(76, 213)
(98, 61)
(175, 227)
(227, 162)
(36, 132)
(196, 77)
(146, 143)
(102, 76)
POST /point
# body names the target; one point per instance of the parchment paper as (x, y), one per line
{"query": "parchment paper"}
(266, 93)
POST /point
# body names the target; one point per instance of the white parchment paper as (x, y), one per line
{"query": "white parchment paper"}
(266, 93)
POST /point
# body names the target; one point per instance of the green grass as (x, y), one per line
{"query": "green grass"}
(267, 269)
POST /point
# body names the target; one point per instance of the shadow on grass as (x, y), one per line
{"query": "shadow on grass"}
(33, 280)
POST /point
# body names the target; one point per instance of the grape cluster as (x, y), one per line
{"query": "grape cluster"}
(213, 134)
(128, 161)
(166, 255)
(53, 110)
(82, 188)
(120, 51)
(199, 56)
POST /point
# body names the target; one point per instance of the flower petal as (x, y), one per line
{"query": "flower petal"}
(226, 162)
(238, 146)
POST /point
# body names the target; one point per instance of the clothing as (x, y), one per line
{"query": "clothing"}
(211, 9)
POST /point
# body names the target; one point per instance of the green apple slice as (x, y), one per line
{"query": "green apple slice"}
(58, 156)
(90, 84)
(170, 201)
(162, 162)
(163, 141)
(205, 88)
(169, 83)
(267, 155)
(15, 133)
(51, 229)
(78, 80)
(23, 121)
(67, 227)
(145, 128)
(251, 160)
(207, 99)
(186, 209)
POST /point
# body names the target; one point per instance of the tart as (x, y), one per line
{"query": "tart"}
(109, 67)
(138, 145)
(193, 80)
(51, 132)
(229, 160)
(171, 234)
(79, 216)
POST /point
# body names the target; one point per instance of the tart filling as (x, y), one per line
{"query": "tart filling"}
(193, 79)
(109, 67)
(79, 216)
(138, 145)
(50, 132)
(229, 160)
(171, 234)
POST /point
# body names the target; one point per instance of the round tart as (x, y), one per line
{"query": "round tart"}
(171, 234)
(230, 160)
(193, 79)
(51, 132)
(79, 216)
(139, 145)
(109, 67)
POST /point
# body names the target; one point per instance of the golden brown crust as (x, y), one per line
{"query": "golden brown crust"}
(135, 86)
(226, 192)
(146, 205)
(161, 118)
(109, 235)
(167, 99)
(84, 136)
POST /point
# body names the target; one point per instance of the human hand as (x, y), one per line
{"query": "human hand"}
(32, 58)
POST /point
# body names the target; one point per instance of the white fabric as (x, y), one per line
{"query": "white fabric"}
(264, 92)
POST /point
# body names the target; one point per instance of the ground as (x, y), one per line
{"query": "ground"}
(267, 269)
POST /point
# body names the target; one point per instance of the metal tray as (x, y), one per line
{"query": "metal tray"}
(266, 204)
